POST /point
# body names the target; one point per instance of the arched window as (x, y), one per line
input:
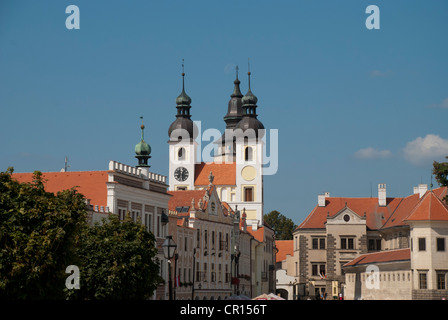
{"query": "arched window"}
(181, 154)
(248, 154)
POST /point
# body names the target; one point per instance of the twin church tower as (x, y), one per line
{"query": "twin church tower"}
(236, 170)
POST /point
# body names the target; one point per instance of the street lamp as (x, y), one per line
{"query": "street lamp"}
(169, 247)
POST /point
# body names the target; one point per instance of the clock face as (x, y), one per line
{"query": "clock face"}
(181, 174)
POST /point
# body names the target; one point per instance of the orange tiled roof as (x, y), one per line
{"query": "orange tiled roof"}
(381, 257)
(257, 234)
(224, 173)
(392, 215)
(183, 199)
(430, 208)
(92, 184)
(284, 247)
(402, 211)
(375, 215)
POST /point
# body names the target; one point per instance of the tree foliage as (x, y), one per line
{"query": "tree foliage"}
(116, 262)
(283, 227)
(440, 170)
(42, 233)
(37, 232)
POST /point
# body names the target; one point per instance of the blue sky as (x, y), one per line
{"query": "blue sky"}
(354, 107)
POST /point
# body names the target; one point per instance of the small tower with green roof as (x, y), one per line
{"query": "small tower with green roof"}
(142, 150)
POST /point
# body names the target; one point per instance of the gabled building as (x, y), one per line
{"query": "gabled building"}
(419, 271)
(206, 257)
(339, 230)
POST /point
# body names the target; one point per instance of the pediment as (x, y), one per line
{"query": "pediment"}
(346, 216)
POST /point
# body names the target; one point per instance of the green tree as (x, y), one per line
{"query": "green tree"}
(116, 261)
(440, 170)
(283, 227)
(37, 232)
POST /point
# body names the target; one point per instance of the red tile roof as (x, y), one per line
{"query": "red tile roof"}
(257, 234)
(183, 199)
(224, 173)
(392, 215)
(406, 206)
(92, 184)
(375, 215)
(430, 208)
(284, 247)
(381, 257)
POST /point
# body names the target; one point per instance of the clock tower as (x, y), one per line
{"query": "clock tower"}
(182, 147)
(249, 160)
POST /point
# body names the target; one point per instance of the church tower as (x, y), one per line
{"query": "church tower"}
(249, 160)
(182, 147)
(226, 144)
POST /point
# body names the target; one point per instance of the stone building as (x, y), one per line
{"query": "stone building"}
(339, 230)
(208, 265)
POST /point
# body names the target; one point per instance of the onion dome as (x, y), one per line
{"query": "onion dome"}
(249, 120)
(142, 150)
(183, 126)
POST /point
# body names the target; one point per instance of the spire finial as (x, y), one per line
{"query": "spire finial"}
(236, 68)
(248, 70)
(142, 127)
(183, 75)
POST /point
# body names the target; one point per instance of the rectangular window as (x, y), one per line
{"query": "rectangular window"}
(351, 243)
(441, 280)
(348, 243)
(314, 269)
(322, 243)
(148, 219)
(422, 280)
(421, 244)
(249, 194)
(322, 269)
(374, 244)
(315, 243)
(318, 243)
(318, 269)
(440, 244)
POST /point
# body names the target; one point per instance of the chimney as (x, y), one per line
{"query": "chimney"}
(321, 199)
(382, 195)
(255, 225)
(421, 189)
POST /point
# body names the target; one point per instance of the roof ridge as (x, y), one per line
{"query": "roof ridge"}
(417, 205)
(393, 212)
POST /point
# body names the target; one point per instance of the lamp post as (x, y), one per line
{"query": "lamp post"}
(169, 247)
